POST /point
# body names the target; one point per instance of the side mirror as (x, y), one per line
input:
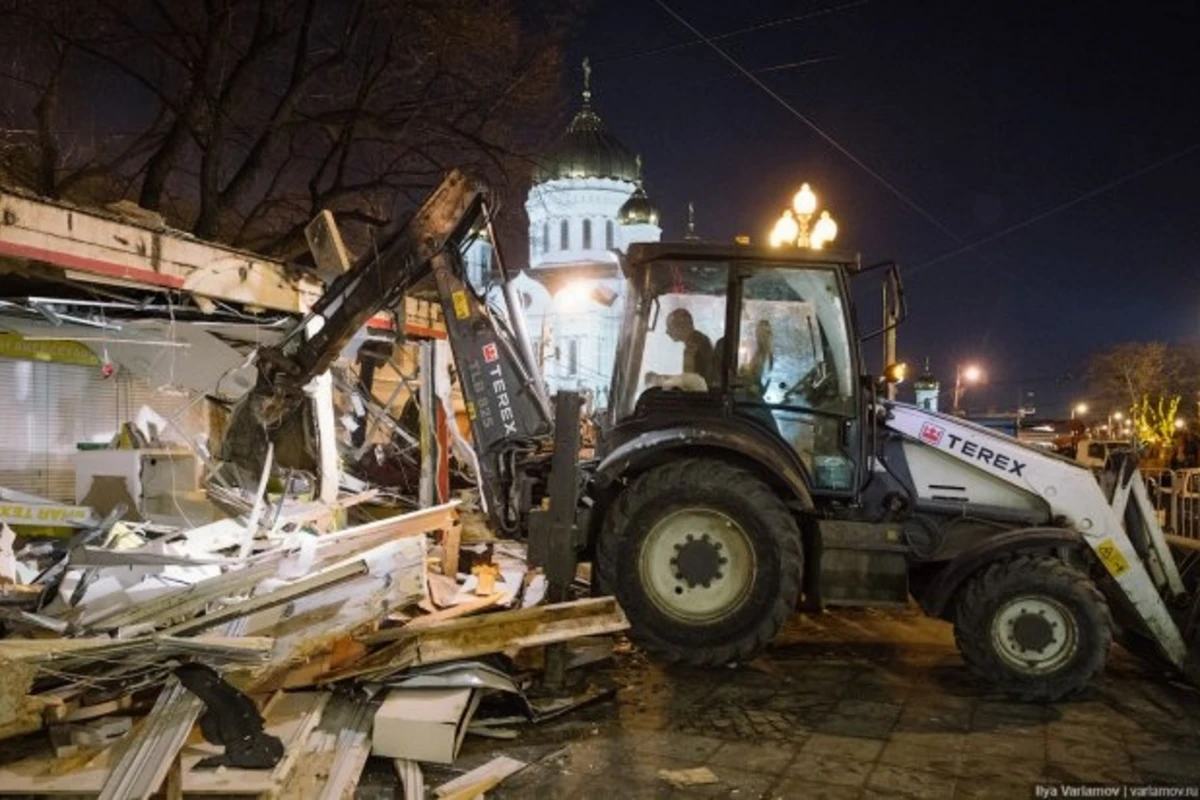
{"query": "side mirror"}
(895, 309)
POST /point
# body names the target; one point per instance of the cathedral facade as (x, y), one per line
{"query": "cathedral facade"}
(587, 205)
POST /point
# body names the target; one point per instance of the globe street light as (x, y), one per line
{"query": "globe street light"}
(792, 227)
(1079, 409)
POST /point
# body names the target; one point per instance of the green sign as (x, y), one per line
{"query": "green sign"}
(58, 351)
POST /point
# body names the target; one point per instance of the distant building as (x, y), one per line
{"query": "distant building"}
(588, 203)
(926, 389)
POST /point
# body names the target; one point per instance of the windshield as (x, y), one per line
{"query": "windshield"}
(794, 346)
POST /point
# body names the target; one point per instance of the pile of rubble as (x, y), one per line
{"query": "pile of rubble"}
(268, 654)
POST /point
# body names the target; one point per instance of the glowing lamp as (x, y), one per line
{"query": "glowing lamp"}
(805, 201)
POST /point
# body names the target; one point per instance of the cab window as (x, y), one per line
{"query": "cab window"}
(794, 348)
(685, 331)
(795, 370)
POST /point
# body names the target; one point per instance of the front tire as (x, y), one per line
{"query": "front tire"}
(1033, 626)
(704, 558)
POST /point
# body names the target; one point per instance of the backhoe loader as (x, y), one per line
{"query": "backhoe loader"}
(780, 477)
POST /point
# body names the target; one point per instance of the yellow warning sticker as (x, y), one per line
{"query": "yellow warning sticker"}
(1113, 561)
(461, 309)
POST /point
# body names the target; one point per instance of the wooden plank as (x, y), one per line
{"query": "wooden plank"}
(442, 589)
(499, 632)
(472, 783)
(352, 541)
(1182, 542)
(411, 778)
(451, 542)
(453, 612)
(174, 788)
(351, 752)
(292, 719)
(316, 622)
(35, 650)
(284, 594)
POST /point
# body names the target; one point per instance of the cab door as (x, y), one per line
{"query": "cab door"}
(794, 367)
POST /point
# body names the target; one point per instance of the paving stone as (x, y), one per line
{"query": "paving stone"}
(1099, 749)
(971, 788)
(908, 782)
(1004, 768)
(732, 783)
(880, 714)
(795, 788)
(1166, 766)
(1022, 743)
(676, 745)
(1091, 734)
(843, 747)
(934, 717)
(824, 768)
(599, 756)
(1113, 770)
(866, 709)
(754, 756)
(798, 701)
(841, 725)
(922, 756)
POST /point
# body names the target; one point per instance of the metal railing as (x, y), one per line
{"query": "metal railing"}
(1175, 495)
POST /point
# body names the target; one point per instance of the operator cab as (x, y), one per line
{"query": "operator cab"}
(757, 338)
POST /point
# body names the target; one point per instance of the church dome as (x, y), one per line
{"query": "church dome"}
(638, 210)
(586, 150)
(926, 380)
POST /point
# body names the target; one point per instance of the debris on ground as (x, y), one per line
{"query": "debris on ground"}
(275, 651)
(683, 778)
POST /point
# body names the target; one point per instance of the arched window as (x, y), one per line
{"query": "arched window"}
(564, 236)
(587, 234)
(572, 358)
(545, 237)
(608, 235)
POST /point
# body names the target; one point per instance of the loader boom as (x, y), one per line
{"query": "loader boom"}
(1074, 495)
(508, 413)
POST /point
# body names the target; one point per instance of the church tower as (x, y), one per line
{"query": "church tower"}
(926, 388)
(586, 206)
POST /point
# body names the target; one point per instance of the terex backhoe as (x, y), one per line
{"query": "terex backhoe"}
(782, 475)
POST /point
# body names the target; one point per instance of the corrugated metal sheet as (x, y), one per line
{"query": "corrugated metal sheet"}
(47, 408)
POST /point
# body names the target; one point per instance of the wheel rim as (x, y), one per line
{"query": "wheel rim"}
(1034, 634)
(697, 564)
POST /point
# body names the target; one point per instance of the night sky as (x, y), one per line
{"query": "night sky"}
(984, 115)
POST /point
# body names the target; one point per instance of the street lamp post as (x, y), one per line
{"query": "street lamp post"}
(792, 227)
(1079, 409)
(963, 376)
(1115, 416)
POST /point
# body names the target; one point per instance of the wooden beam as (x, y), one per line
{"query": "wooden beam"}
(98, 247)
(501, 632)
(480, 779)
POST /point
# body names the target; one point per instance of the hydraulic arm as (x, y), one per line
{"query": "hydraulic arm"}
(508, 409)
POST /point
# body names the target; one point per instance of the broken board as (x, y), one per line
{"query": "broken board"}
(292, 718)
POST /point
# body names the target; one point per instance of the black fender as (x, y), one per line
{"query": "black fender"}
(941, 590)
(735, 443)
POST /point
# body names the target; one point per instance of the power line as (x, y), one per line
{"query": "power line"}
(1088, 195)
(811, 125)
(793, 64)
(739, 32)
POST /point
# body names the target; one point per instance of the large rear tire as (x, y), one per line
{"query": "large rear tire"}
(1033, 626)
(704, 558)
